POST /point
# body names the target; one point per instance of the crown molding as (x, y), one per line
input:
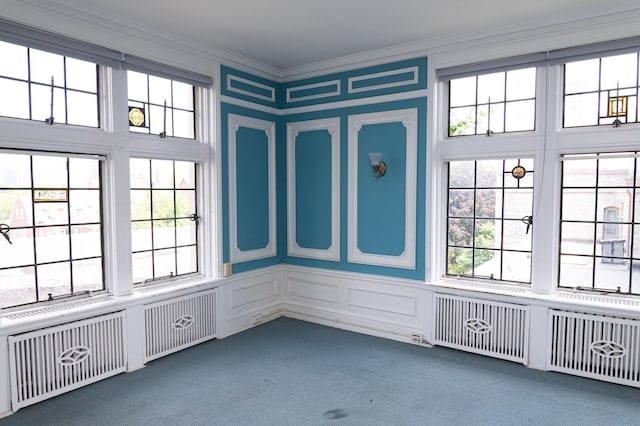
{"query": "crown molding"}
(121, 33)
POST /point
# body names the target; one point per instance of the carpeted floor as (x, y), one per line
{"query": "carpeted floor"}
(290, 372)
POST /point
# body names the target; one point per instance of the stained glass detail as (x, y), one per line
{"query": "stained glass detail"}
(136, 117)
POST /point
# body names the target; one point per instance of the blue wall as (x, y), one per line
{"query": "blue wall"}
(381, 203)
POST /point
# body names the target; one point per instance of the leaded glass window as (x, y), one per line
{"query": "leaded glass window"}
(43, 86)
(601, 91)
(160, 106)
(489, 216)
(500, 102)
(51, 242)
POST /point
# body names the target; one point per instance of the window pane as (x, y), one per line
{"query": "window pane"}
(477, 234)
(41, 103)
(137, 86)
(14, 63)
(187, 260)
(87, 275)
(581, 76)
(521, 84)
(579, 172)
(516, 266)
(182, 95)
(185, 232)
(49, 172)
(142, 264)
(51, 213)
(19, 253)
(577, 238)
(54, 280)
(45, 65)
(183, 124)
(491, 88)
(82, 75)
(82, 109)
(83, 173)
(162, 174)
(185, 175)
(15, 207)
(164, 262)
(52, 244)
(86, 241)
(16, 102)
(164, 233)
(619, 71)
(581, 110)
(461, 202)
(578, 204)
(462, 92)
(161, 218)
(84, 206)
(159, 91)
(615, 172)
(18, 286)
(462, 121)
(575, 271)
(520, 116)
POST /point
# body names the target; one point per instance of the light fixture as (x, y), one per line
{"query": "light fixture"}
(378, 166)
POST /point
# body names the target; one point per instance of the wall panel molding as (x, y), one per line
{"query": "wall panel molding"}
(235, 122)
(332, 125)
(409, 119)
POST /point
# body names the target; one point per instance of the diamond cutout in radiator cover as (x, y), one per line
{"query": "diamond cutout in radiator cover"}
(608, 349)
(477, 325)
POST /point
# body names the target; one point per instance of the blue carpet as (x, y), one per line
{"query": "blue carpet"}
(290, 372)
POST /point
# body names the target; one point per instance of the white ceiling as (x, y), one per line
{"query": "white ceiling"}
(291, 33)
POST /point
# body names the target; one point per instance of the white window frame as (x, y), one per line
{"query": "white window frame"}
(114, 141)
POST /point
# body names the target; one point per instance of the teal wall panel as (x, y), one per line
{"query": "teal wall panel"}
(313, 189)
(381, 201)
(252, 168)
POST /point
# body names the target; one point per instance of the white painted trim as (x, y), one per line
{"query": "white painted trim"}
(414, 80)
(422, 93)
(313, 86)
(409, 119)
(332, 125)
(235, 253)
(231, 77)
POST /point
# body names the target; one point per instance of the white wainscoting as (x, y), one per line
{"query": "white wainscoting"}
(249, 299)
(375, 305)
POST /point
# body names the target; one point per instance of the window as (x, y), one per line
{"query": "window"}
(601, 91)
(600, 222)
(160, 106)
(492, 103)
(489, 216)
(164, 218)
(51, 224)
(43, 86)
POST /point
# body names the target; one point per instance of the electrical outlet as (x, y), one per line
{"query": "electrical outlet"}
(227, 270)
(417, 338)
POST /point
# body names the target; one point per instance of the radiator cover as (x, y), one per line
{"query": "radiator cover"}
(500, 330)
(595, 346)
(54, 360)
(175, 324)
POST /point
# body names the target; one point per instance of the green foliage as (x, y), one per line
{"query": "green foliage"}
(460, 260)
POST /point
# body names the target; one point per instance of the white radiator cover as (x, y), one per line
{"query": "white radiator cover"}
(54, 360)
(175, 324)
(595, 346)
(500, 330)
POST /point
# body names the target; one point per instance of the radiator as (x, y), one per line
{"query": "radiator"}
(54, 360)
(595, 346)
(175, 324)
(485, 327)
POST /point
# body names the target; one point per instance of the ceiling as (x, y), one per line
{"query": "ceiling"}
(291, 33)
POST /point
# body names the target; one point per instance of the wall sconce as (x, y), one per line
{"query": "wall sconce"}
(378, 166)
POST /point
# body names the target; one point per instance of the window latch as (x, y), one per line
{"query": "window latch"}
(4, 230)
(527, 220)
(194, 218)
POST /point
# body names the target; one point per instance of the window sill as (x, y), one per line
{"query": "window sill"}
(620, 305)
